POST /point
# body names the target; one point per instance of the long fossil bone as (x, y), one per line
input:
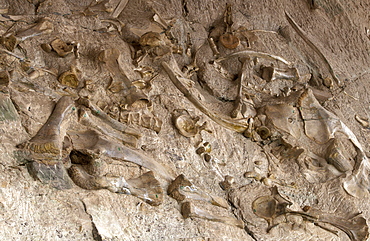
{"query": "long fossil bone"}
(235, 125)
(189, 210)
(94, 142)
(119, 126)
(145, 187)
(181, 188)
(47, 143)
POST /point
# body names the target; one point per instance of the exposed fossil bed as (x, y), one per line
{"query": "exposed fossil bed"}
(270, 143)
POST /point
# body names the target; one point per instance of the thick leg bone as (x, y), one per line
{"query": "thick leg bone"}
(235, 125)
(189, 210)
(181, 189)
(270, 74)
(96, 143)
(47, 143)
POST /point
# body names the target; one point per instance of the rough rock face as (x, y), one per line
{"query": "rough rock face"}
(184, 120)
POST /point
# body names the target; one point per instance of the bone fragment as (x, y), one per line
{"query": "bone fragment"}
(355, 228)
(235, 125)
(270, 73)
(181, 188)
(364, 122)
(44, 26)
(189, 210)
(119, 79)
(121, 5)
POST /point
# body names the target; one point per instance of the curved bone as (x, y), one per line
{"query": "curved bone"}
(303, 35)
(181, 188)
(235, 125)
(96, 143)
(254, 54)
(189, 210)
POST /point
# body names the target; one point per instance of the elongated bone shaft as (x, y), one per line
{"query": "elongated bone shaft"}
(254, 54)
(48, 140)
(145, 187)
(95, 110)
(92, 141)
(86, 120)
(43, 26)
(181, 188)
(303, 35)
(229, 123)
(189, 210)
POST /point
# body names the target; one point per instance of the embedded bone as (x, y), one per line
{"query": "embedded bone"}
(187, 126)
(338, 157)
(246, 53)
(119, 8)
(213, 46)
(61, 48)
(189, 210)
(8, 111)
(181, 188)
(87, 120)
(44, 26)
(143, 119)
(145, 187)
(355, 227)
(47, 143)
(364, 122)
(94, 142)
(270, 73)
(229, 40)
(233, 124)
(119, 79)
(69, 78)
(303, 35)
(95, 110)
(284, 117)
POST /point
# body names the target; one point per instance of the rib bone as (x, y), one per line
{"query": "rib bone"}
(238, 125)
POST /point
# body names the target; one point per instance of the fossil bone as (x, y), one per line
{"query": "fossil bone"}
(364, 122)
(119, 79)
(95, 110)
(145, 187)
(336, 155)
(245, 53)
(189, 210)
(270, 73)
(94, 142)
(69, 78)
(303, 35)
(47, 143)
(87, 120)
(181, 188)
(236, 125)
(44, 26)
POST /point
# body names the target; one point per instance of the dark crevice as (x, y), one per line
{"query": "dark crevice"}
(95, 233)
